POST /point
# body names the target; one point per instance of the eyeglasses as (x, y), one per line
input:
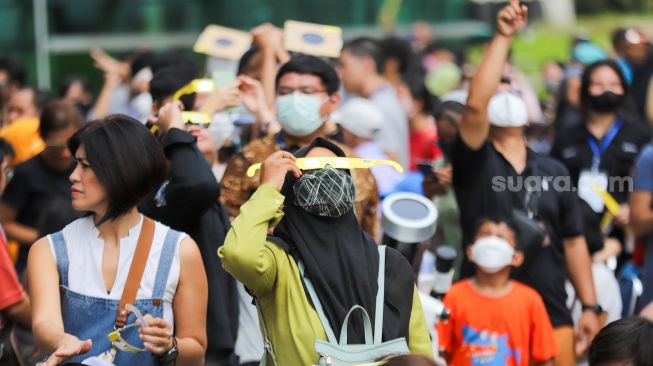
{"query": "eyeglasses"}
(56, 148)
(115, 338)
(8, 172)
(199, 119)
(304, 90)
(335, 162)
(195, 86)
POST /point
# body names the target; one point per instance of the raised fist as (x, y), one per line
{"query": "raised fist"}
(512, 19)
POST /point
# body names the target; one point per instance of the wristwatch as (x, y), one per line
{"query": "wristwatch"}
(596, 308)
(172, 354)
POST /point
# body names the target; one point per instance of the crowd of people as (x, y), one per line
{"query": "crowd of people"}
(134, 234)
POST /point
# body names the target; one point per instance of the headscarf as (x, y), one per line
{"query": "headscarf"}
(341, 260)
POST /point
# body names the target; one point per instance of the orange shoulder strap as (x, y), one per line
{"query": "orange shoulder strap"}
(136, 270)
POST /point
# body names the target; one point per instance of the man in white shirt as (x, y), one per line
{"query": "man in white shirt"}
(361, 62)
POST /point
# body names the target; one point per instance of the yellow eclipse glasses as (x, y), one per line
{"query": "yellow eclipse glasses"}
(335, 162)
(196, 118)
(610, 203)
(195, 86)
(612, 206)
(116, 339)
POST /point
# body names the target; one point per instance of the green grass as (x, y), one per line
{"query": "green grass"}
(541, 43)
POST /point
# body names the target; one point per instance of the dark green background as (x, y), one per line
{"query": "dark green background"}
(156, 16)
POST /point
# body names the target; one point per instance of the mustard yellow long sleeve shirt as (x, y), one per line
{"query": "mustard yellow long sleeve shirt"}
(272, 275)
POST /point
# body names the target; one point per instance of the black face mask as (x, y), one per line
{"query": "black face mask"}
(606, 102)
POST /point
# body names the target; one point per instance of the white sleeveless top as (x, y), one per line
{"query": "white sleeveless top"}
(85, 250)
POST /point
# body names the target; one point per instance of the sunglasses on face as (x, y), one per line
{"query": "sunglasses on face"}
(335, 162)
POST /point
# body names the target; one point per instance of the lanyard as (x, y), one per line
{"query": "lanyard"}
(280, 140)
(283, 145)
(600, 148)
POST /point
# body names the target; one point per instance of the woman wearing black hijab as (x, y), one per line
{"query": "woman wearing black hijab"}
(315, 224)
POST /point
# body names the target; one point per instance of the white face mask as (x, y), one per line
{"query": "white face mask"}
(492, 254)
(507, 110)
(141, 106)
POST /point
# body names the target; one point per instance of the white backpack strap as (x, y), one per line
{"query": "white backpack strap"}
(366, 324)
(380, 295)
(267, 345)
(317, 304)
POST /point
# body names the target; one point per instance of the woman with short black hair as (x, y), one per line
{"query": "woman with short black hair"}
(625, 342)
(81, 278)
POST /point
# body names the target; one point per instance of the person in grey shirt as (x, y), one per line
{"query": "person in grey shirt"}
(249, 342)
(361, 62)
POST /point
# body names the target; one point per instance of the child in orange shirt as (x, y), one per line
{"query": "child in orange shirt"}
(494, 319)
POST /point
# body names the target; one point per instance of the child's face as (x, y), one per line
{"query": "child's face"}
(494, 248)
(501, 230)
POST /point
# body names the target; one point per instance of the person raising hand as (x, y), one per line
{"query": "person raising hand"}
(489, 158)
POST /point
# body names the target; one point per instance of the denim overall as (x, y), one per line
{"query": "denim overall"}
(93, 318)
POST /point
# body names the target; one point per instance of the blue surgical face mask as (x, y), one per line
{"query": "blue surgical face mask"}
(299, 114)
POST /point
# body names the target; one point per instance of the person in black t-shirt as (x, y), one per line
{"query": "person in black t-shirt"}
(188, 202)
(37, 200)
(640, 58)
(488, 163)
(607, 141)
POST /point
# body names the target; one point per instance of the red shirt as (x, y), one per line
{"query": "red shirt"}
(510, 330)
(423, 148)
(11, 291)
